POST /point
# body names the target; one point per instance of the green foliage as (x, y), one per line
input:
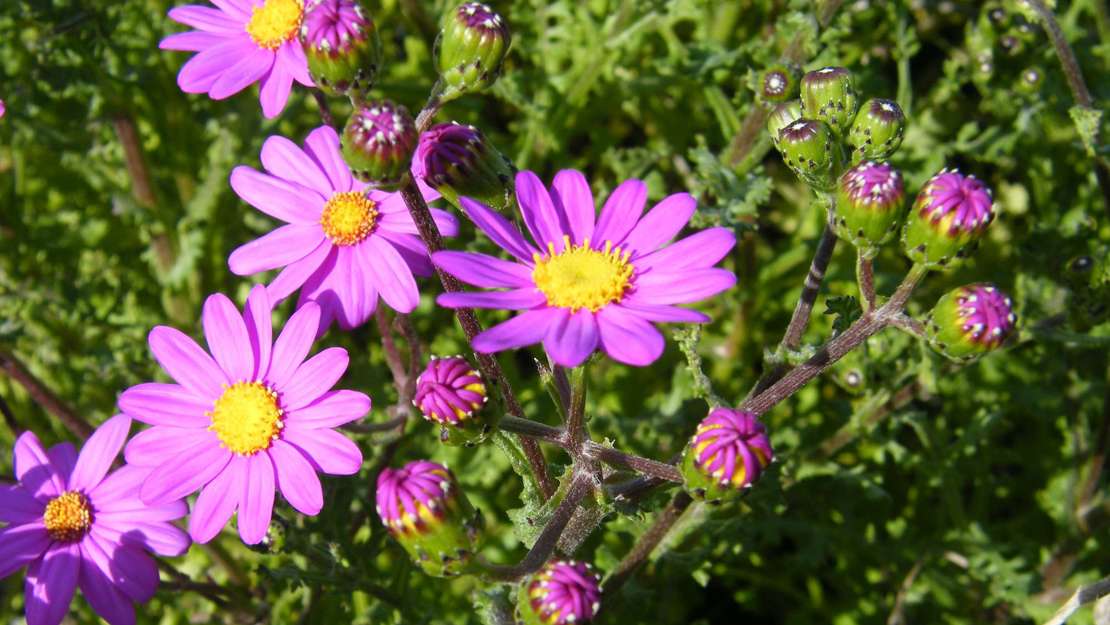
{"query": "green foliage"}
(915, 491)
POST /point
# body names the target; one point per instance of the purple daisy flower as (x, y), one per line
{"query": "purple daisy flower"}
(561, 593)
(592, 281)
(253, 417)
(74, 524)
(239, 43)
(343, 246)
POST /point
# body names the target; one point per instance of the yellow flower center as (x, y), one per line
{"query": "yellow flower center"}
(246, 417)
(582, 277)
(275, 22)
(68, 516)
(349, 217)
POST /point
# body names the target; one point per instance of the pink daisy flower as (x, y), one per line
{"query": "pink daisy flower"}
(590, 282)
(74, 524)
(239, 43)
(253, 417)
(343, 245)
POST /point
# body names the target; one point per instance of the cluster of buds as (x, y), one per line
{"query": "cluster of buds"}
(451, 393)
(457, 160)
(470, 49)
(561, 593)
(423, 507)
(341, 45)
(970, 321)
(727, 454)
(377, 143)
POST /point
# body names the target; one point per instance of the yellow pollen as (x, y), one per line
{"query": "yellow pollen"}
(246, 418)
(68, 516)
(349, 217)
(275, 22)
(582, 277)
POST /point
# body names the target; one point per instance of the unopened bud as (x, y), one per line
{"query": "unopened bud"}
(970, 321)
(471, 48)
(807, 148)
(377, 143)
(341, 44)
(877, 130)
(950, 214)
(563, 592)
(829, 95)
(869, 206)
(458, 161)
(727, 454)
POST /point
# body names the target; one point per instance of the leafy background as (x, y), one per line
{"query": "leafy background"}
(909, 490)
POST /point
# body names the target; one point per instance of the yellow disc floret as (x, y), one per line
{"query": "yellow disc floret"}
(275, 22)
(582, 277)
(68, 516)
(349, 217)
(246, 418)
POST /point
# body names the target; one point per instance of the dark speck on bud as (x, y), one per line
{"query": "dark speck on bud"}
(877, 130)
(829, 95)
(951, 213)
(341, 45)
(778, 83)
(807, 148)
(457, 160)
(377, 143)
(470, 49)
(970, 321)
(869, 205)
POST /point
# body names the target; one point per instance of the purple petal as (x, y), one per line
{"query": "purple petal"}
(572, 196)
(661, 224)
(121, 485)
(291, 56)
(283, 159)
(665, 314)
(274, 90)
(314, 378)
(322, 144)
(217, 501)
(525, 329)
(297, 479)
(20, 544)
(295, 274)
(538, 211)
(227, 337)
(99, 452)
(621, 212)
(680, 287)
(496, 227)
(515, 299)
(257, 315)
(165, 404)
(64, 458)
(34, 470)
(138, 569)
(246, 70)
(188, 364)
(331, 410)
(412, 249)
(328, 450)
(350, 283)
(278, 198)
(389, 274)
(206, 19)
(627, 338)
(111, 604)
(50, 585)
(185, 473)
(17, 506)
(277, 248)
(163, 539)
(257, 505)
(293, 343)
(192, 41)
(207, 66)
(238, 10)
(103, 552)
(151, 447)
(446, 223)
(482, 270)
(572, 339)
(703, 249)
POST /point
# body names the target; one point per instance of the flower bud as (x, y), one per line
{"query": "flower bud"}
(452, 393)
(869, 202)
(728, 453)
(807, 148)
(470, 49)
(457, 160)
(341, 44)
(561, 593)
(1032, 78)
(877, 131)
(970, 321)
(377, 143)
(829, 95)
(423, 507)
(950, 214)
(782, 116)
(778, 84)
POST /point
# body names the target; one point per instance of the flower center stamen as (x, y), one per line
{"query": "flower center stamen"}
(582, 277)
(275, 22)
(349, 217)
(246, 417)
(68, 516)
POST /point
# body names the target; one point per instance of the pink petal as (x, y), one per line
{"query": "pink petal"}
(163, 539)
(217, 501)
(322, 144)
(137, 584)
(331, 410)
(274, 92)
(496, 227)
(257, 315)
(389, 274)
(284, 159)
(257, 505)
(34, 470)
(278, 248)
(328, 450)
(111, 604)
(64, 458)
(185, 473)
(17, 506)
(165, 404)
(151, 447)
(703, 249)
(681, 287)
(278, 198)
(192, 41)
(482, 270)
(538, 211)
(664, 313)
(627, 338)
(247, 70)
(20, 544)
(357, 295)
(227, 337)
(297, 479)
(293, 344)
(665, 220)
(50, 585)
(120, 485)
(188, 364)
(206, 19)
(515, 299)
(620, 213)
(572, 196)
(295, 274)
(291, 56)
(207, 66)
(525, 329)
(314, 378)
(99, 452)
(238, 10)
(571, 341)
(412, 249)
